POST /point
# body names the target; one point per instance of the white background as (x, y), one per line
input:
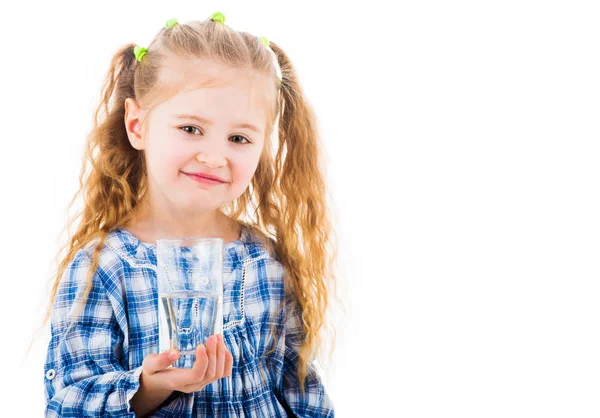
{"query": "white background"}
(462, 142)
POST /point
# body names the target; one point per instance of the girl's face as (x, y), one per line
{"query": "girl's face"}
(217, 130)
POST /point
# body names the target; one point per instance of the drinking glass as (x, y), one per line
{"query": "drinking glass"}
(190, 292)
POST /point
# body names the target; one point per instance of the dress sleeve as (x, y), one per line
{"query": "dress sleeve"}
(85, 372)
(315, 401)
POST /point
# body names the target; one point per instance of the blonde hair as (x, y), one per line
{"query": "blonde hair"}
(286, 200)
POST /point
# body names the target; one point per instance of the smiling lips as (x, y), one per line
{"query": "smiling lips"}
(205, 178)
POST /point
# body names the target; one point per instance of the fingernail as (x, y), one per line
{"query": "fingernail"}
(173, 354)
(220, 337)
(212, 338)
(202, 348)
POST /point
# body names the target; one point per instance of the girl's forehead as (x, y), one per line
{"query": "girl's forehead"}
(189, 81)
(227, 101)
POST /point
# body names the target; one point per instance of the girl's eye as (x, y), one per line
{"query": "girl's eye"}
(242, 138)
(193, 128)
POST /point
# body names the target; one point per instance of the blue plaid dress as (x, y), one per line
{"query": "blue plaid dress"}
(94, 369)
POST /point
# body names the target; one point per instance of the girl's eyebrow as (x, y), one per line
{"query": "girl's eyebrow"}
(209, 122)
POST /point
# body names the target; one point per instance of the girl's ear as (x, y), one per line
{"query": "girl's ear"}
(133, 124)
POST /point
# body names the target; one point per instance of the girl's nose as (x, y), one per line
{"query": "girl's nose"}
(211, 158)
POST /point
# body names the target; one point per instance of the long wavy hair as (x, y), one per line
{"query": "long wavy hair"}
(286, 201)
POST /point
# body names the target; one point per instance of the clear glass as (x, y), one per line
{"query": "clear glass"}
(190, 293)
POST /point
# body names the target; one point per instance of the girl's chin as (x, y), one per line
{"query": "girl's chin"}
(199, 205)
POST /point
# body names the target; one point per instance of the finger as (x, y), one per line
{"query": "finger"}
(211, 350)
(220, 363)
(228, 367)
(176, 378)
(201, 363)
(179, 379)
(155, 362)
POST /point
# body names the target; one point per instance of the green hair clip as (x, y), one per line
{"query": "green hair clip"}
(218, 17)
(139, 52)
(264, 40)
(171, 23)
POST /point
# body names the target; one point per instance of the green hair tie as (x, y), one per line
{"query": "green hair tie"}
(264, 40)
(218, 17)
(139, 52)
(171, 23)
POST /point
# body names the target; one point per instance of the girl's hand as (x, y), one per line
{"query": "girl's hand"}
(213, 362)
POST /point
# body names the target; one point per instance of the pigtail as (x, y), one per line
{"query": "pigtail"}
(109, 181)
(303, 225)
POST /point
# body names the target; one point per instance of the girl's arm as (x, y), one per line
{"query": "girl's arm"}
(86, 372)
(314, 402)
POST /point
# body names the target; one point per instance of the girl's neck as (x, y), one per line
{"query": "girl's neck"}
(148, 226)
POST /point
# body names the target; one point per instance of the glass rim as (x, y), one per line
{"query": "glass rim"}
(174, 240)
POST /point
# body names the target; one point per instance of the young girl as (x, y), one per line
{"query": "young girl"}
(184, 150)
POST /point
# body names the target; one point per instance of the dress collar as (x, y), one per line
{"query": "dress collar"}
(143, 254)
